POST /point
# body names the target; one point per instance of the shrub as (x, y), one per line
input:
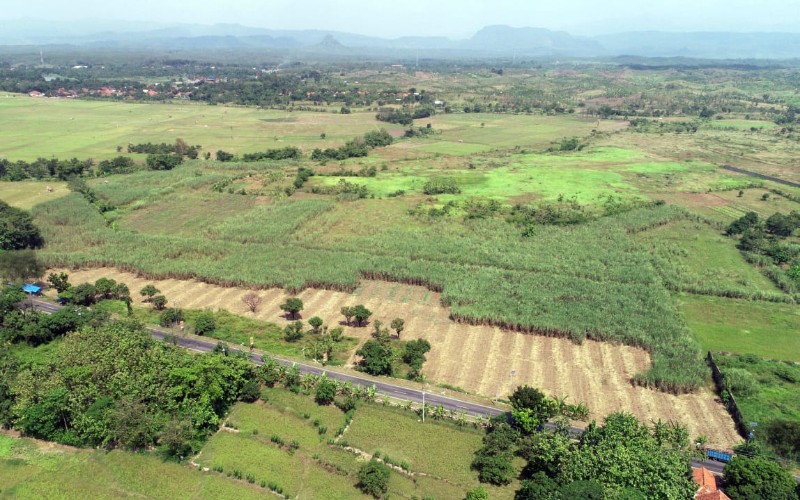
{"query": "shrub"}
(441, 185)
(204, 323)
(740, 382)
(373, 478)
(170, 317)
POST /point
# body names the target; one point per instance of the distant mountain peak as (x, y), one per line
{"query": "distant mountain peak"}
(330, 42)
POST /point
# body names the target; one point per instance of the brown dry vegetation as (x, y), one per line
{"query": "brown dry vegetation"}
(476, 358)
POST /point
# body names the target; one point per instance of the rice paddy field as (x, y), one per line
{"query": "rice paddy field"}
(615, 311)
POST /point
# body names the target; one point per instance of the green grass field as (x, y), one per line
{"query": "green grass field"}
(774, 395)
(26, 195)
(433, 448)
(317, 466)
(32, 128)
(31, 470)
(743, 327)
(693, 256)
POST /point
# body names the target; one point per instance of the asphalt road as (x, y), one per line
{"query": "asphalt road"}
(384, 388)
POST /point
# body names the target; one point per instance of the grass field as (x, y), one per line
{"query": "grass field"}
(774, 395)
(743, 327)
(436, 449)
(32, 128)
(30, 469)
(26, 195)
(316, 466)
(692, 256)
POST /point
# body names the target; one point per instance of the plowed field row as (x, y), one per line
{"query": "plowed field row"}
(481, 359)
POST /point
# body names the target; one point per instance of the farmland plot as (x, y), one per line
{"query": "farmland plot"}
(479, 359)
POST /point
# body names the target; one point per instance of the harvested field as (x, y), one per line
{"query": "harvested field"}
(479, 359)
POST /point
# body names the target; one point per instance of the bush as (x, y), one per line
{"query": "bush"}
(204, 323)
(441, 185)
(747, 478)
(373, 478)
(170, 317)
(495, 469)
(740, 382)
(251, 391)
(326, 392)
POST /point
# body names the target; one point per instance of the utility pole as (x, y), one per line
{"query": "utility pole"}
(423, 404)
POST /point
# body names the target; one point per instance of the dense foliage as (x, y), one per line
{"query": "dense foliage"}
(112, 385)
(621, 453)
(758, 478)
(17, 230)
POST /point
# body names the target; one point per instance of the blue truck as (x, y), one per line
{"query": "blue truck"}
(719, 456)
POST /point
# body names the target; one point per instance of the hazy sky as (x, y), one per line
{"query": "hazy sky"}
(453, 18)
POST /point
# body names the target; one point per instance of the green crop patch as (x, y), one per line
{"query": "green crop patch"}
(743, 327)
(691, 256)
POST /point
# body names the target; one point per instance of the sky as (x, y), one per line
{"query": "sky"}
(451, 18)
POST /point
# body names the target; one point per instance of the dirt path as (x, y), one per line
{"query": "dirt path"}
(479, 359)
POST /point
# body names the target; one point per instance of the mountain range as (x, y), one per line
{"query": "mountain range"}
(491, 41)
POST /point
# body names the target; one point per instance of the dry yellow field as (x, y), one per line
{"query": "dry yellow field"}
(479, 359)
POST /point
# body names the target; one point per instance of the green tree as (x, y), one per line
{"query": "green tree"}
(478, 493)
(583, 490)
(131, 425)
(175, 440)
(17, 231)
(758, 479)
(204, 323)
(163, 161)
(170, 317)
(784, 437)
(495, 469)
(316, 323)
(159, 302)
(347, 312)
(293, 331)
(148, 292)
(59, 281)
(326, 392)
(376, 358)
(748, 220)
(531, 408)
(398, 325)
(84, 294)
(292, 306)
(251, 391)
(780, 225)
(623, 453)
(373, 478)
(414, 356)
(224, 156)
(20, 265)
(539, 487)
(361, 314)
(105, 287)
(494, 460)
